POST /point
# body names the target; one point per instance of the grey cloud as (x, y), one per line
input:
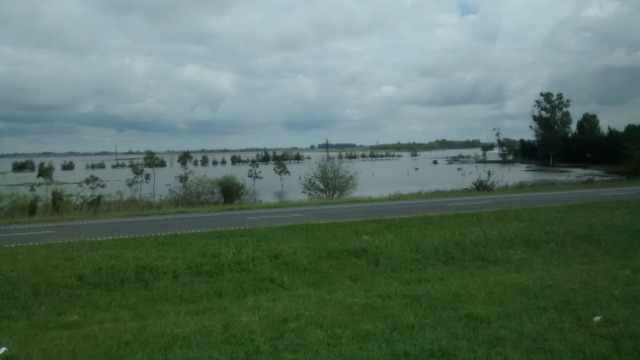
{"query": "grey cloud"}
(241, 72)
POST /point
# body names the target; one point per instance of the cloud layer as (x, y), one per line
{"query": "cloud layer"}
(79, 75)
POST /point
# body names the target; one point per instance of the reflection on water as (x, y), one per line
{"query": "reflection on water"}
(377, 177)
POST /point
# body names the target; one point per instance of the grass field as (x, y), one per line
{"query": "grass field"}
(505, 284)
(150, 208)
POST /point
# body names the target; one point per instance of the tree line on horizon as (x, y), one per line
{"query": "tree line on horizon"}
(556, 140)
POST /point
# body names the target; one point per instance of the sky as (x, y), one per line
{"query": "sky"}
(80, 75)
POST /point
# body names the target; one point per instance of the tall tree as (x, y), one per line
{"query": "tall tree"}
(281, 170)
(154, 162)
(184, 159)
(588, 127)
(587, 137)
(89, 191)
(204, 160)
(140, 177)
(551, 122)
(45, 171)
(254, 173)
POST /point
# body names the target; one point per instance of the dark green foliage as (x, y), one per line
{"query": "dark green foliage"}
(45, 171)
(507, 148)
(254, 173)
(264, 157)
(139, 178)
(237, 159)
(58, 197)
(184, 159)
(281, 170)
(330, 179)
(223, 161)
(487, 147)
(119, 165)
(67, 166)
(88, 190)
(297, 157)
(214, 161)
(551, 123)
(34, 202)
(231, 189)
(528, 149)
(96, 166)
(587, 144)
(153, 161)
(434, 145)
(21, 166)
(414, 153)
(487, 183)
(204, 161)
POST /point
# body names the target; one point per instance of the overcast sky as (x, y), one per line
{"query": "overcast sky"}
(79, 75)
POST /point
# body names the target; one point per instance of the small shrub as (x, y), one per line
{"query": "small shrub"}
(67, 166)
(231, 189)
(33, 205)
(330, 179)
(94, 166)
(198, 190)
(119, 165)
(26, 165)
(484, 184)
(57, 199)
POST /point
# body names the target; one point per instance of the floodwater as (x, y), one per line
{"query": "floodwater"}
(377, 177)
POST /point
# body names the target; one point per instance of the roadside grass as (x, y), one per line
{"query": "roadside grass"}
(131, 207)
(523, 283)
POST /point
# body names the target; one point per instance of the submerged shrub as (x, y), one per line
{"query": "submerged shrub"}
(232, 190)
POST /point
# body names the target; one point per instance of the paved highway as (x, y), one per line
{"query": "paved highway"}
(13, 235)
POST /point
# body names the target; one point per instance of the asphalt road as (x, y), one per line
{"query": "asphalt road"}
(13, 235)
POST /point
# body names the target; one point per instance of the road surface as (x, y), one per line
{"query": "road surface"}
(104, 229)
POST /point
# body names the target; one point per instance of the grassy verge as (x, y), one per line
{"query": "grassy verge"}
(505, 284)
(166, 209)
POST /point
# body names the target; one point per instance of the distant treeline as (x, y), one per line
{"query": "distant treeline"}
(434, 145)
(337, 146)
(265, 157)
(138, 152)
(593, 146)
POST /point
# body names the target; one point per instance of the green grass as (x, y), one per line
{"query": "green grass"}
(507, 284)
(166, 208)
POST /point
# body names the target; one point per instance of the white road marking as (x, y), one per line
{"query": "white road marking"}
(273, 217)
(28, 233)
(478, 203)
(627, 193)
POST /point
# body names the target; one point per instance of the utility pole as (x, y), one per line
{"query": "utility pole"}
(327, 148)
